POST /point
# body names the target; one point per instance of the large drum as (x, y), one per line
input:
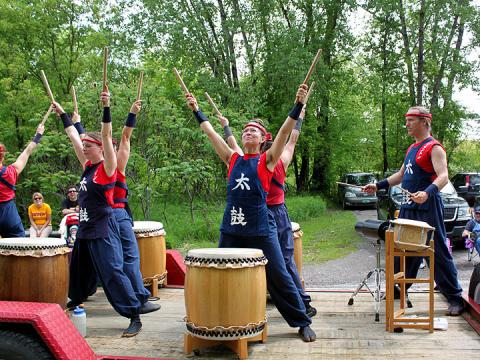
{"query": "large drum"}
(34, 270)
(298, 247)
(153, 254)
(225, 293)
(411, 234)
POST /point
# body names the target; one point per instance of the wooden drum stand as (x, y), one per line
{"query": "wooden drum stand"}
(396, 319)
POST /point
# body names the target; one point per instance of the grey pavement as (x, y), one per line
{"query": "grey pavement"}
(347, 272)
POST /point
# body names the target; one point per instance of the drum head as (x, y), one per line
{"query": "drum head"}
(225, 253)
(295, 226)
(148, 227)
(408, 222)
(31, 244)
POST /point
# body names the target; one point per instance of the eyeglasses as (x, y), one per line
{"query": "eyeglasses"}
(72, 191)
(38, 198)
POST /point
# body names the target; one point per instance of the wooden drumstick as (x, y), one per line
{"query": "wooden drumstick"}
(179, 78)
(45, 84)
(139, 86)
(47, 115)
(74, 96)
(350, 185)
(309, 92)
(105, 61)
(213, 104)
(312, 67)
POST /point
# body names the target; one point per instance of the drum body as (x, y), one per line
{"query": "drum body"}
(225, 293)
(34, 270)
(297, 247)
(153, 254)
(411, 234)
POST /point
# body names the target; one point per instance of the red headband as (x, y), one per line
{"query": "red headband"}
(258, 126)
(92, 141)
(428, 116)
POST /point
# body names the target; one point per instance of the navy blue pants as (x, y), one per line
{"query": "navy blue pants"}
(280, 285)
(131, 254)
(10, 222)
(445, 270)
(107, 257)
(83, 277)
(283, 231)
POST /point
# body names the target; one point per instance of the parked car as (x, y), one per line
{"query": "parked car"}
(353, 196)
(467, 185)
(456, 214)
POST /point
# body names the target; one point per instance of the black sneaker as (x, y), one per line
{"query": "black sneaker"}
(396, 296)
(311, 311)
(134, 328)
(149, 307)
(71, 305)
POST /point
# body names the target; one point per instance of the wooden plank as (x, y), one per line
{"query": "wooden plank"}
(342, 332)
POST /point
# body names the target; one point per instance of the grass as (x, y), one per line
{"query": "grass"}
(328, 233)
(329, 236)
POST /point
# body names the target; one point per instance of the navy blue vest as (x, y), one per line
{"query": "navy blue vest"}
(416, 179)
(94, 207)
(246, 210)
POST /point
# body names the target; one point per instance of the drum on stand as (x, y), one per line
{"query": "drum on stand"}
(225, 293)
(298, 249)
(411, 235)
(34, 270)
(153, 254)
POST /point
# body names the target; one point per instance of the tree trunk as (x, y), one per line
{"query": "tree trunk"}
(228, 38)
(248, 47)
(420, 61)
(408, 52)
(322, 152)
(384, 85)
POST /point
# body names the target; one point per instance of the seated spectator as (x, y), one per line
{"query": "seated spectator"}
(69, 205)
(472, 229)
(40, 216)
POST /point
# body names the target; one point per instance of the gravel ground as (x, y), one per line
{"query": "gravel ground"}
(348, 272)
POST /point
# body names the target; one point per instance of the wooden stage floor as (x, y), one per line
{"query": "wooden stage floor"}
(343, 332)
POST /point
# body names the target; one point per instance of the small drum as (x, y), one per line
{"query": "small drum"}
(34, 270)
(153, 254)
(411, 234)
(225, 293)
(298, 247)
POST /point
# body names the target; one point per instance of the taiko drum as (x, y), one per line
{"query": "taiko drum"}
(225, 293)
(34, 270)
(153, 255)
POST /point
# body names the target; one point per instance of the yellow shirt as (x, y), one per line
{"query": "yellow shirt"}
(39, 214)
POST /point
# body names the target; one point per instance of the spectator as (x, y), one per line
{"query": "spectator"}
(472, 229)
(69, 205)
(40, 216)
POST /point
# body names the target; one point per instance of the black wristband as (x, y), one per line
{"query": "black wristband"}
(227, 131)
(36, 139)
(78, 125)
(131, 120)
(298, 125)
(66, 120)
(200, 116)
(296, 110)
(106, 115)
(382, 184)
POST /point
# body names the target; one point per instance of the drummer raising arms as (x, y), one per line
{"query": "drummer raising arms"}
(276, 202)
(424, 173)
(245, 222)
(10, 222)
(98, 226)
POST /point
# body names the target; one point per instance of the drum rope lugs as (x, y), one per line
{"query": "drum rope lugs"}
(226, 263)
(230, 331)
